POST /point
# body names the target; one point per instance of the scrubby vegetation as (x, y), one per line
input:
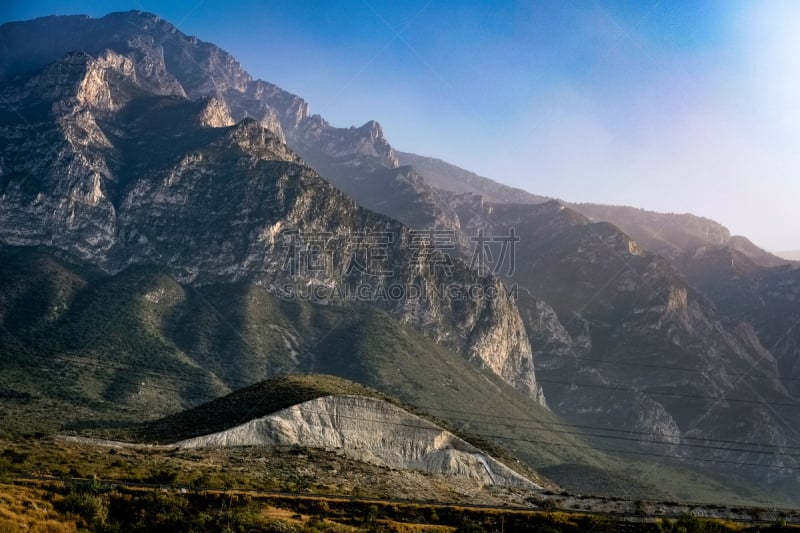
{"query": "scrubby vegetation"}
(287, 489)
(88, 352)
(96, 506)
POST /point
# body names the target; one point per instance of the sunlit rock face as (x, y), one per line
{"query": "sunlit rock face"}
(368, 430)
(127, 154)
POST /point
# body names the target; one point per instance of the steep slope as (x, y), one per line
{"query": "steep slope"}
(169, 62)
(623, 342)
(767, 298)
(609, 321)
(139, 345)
(369, 430)
(219, 203)
(238, 222)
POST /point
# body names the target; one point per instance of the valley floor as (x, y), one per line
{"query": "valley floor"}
(64, 485)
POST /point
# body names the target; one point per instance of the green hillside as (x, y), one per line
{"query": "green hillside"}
(101, 354)
(255, 401)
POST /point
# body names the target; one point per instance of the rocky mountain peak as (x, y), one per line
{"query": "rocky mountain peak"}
(168, 62)
(368, 140)
(142, 18)
(215, 115)
(291, 110)
(95, 90)
(261, 143)
(364, 146)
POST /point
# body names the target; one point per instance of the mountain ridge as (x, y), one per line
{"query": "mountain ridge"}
(108, 206)
(649, 228)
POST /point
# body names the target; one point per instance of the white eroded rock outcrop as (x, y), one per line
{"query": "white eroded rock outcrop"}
(369, 430)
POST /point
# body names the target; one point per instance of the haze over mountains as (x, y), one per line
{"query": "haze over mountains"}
(154, 196)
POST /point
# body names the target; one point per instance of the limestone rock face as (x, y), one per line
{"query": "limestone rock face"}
(109, 170)
(168, 62)
(372, 431)
(216, 115)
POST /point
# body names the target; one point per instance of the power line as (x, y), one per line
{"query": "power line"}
(600, 428)
(665, 393)
(643, 391)
(650, 391)
(550, 443)
(614, 430)
(575, 433)
(470, 413)
(664, 367)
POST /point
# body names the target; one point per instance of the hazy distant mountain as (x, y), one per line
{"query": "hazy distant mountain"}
(666, 234)
(672, 235)
(445, 176)
(767, 298)
(602, 313)
(791, 255)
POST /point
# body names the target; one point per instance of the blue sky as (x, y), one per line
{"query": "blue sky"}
(681, 106)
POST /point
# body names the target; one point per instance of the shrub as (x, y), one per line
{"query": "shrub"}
(691, 524)
(468, 526)
(163, 477)
(279, 527)
(321, 508)
(85, 505)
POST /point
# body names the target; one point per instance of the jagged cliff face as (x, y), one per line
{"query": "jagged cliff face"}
(176, 64)
(623, 341)
(368, 430)
(112, 174)
(766, 297)
(657, 345)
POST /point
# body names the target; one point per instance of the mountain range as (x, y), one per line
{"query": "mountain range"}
(173, 230)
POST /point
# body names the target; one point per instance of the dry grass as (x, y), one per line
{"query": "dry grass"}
(403, 527)
(261, 468)
(299, 521)
(30, 509)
